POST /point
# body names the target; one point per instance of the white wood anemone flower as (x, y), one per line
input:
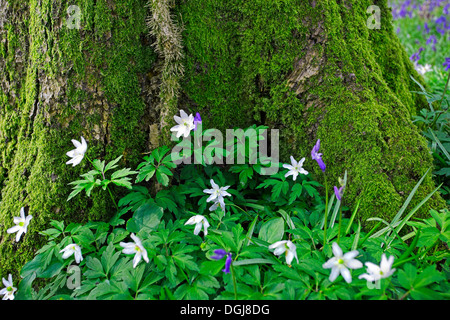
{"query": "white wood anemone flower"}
(340, 263)
(77, 154)
(185, 124)
(375, 272)
(72, 249)
(217, 195)
(21, 226)
(135, 248)
(295, 168)
(8, 291)
(199, 221)
(286, 247)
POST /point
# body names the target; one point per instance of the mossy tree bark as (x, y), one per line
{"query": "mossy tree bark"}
(310, 68)
(314, 69)
(59, 82)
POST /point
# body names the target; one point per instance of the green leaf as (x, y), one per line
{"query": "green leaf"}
(146, 218)
(296, 192)
(112, 164)
(125, 172)
(162, 177)
(109, 258)
(252, 261)
(99, 165)
(95, 268)
(272, 230)
(146, 172)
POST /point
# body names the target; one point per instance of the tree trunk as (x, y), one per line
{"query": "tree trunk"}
(58, 83)
(312, 69)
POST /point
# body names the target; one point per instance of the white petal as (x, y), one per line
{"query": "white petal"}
(386, 264)
(214, 206)
(18, 235)
(183, 114)
(346, 275)
(129, 250)
(67, 254)
(22, 213)
(214, 185)
(83, 146)
(178, 119)
(144, 255)
(368, 277)
(277, 244)
(293, 162)
(350, 255)
(13, 229)
(76, 143)
(136, 239)
(136, 259)
(17, 220)
(354, 264)
(211, 197)
(303, 171)
(197, 228)
(279, 250)
(330, 263)
(372, 268)
(291, 172)
(337, 251)
(334, 274)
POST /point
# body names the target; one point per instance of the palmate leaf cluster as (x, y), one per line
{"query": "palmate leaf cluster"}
(261, 211)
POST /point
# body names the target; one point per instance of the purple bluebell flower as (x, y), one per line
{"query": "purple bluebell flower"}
(416, 56)
(446, 64)
(447, 9)
(315, 155)
(197, 120)
(339, 192)
(219, 254)
(228, 263)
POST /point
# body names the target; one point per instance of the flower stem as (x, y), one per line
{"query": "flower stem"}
(234, 281)
(112, 198)
(340, 220)
(326, 211)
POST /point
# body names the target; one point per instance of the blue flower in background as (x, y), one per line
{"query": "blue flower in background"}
(446, 64)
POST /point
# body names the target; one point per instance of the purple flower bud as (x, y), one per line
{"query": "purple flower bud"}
(197, 120)
(339, 192)
(315, 155)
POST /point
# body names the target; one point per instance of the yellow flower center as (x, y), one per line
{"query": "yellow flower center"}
(21, 224)
(340, 261)
(137, 248)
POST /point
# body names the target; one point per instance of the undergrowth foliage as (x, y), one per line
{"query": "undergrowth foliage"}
(263, 237)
